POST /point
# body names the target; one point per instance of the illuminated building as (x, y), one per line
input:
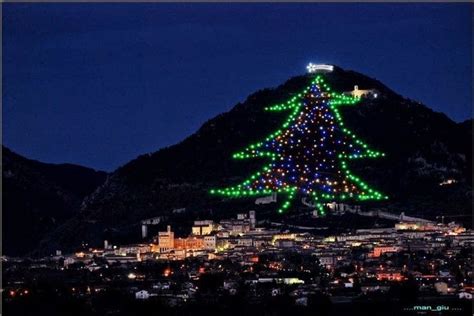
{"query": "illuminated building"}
(165, 241)
(253, 220)
(142, 295)
(189, 243)
(132, 249)
(448, 182)
(246, 242)
(390, 276)
(210, 242)
(68, 261)
(415, 226)
(277, 280)
(378, 251)
(243, 224)
(359, 93)
(283, 236)
(201, 228)
(284, 243)
(328, 261)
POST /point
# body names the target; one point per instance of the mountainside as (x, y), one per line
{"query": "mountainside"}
(423, 148)
(38, 197)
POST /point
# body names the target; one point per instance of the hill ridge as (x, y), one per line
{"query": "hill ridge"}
(423, 148)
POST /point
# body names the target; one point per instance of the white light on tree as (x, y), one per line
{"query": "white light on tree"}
(319, 67)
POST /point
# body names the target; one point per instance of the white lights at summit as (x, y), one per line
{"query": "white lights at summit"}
(312, 68)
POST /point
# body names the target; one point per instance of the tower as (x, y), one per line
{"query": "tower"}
(144, 230)
(253, 220)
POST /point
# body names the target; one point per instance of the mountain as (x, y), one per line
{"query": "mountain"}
(423, 148)
(467, 125)
(39, 197)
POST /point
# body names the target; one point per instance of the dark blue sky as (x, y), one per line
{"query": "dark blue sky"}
(99, 84)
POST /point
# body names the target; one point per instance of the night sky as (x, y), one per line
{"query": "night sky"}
(99, 84)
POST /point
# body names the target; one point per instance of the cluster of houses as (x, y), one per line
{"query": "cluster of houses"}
(369, 260)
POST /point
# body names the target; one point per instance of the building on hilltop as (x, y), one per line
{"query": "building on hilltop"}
(359, 93)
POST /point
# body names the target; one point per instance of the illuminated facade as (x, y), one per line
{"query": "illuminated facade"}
(202, 228)
(390, 276)
(165, 241)
(378, 251)
(359, 93)
(189, 243)
(210, 242)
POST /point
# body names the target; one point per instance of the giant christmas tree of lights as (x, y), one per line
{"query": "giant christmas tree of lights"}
(309, 154)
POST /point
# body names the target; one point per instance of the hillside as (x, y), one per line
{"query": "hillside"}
(38, 197)
(423, 148)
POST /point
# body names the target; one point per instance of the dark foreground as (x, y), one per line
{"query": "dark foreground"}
(116, 303)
